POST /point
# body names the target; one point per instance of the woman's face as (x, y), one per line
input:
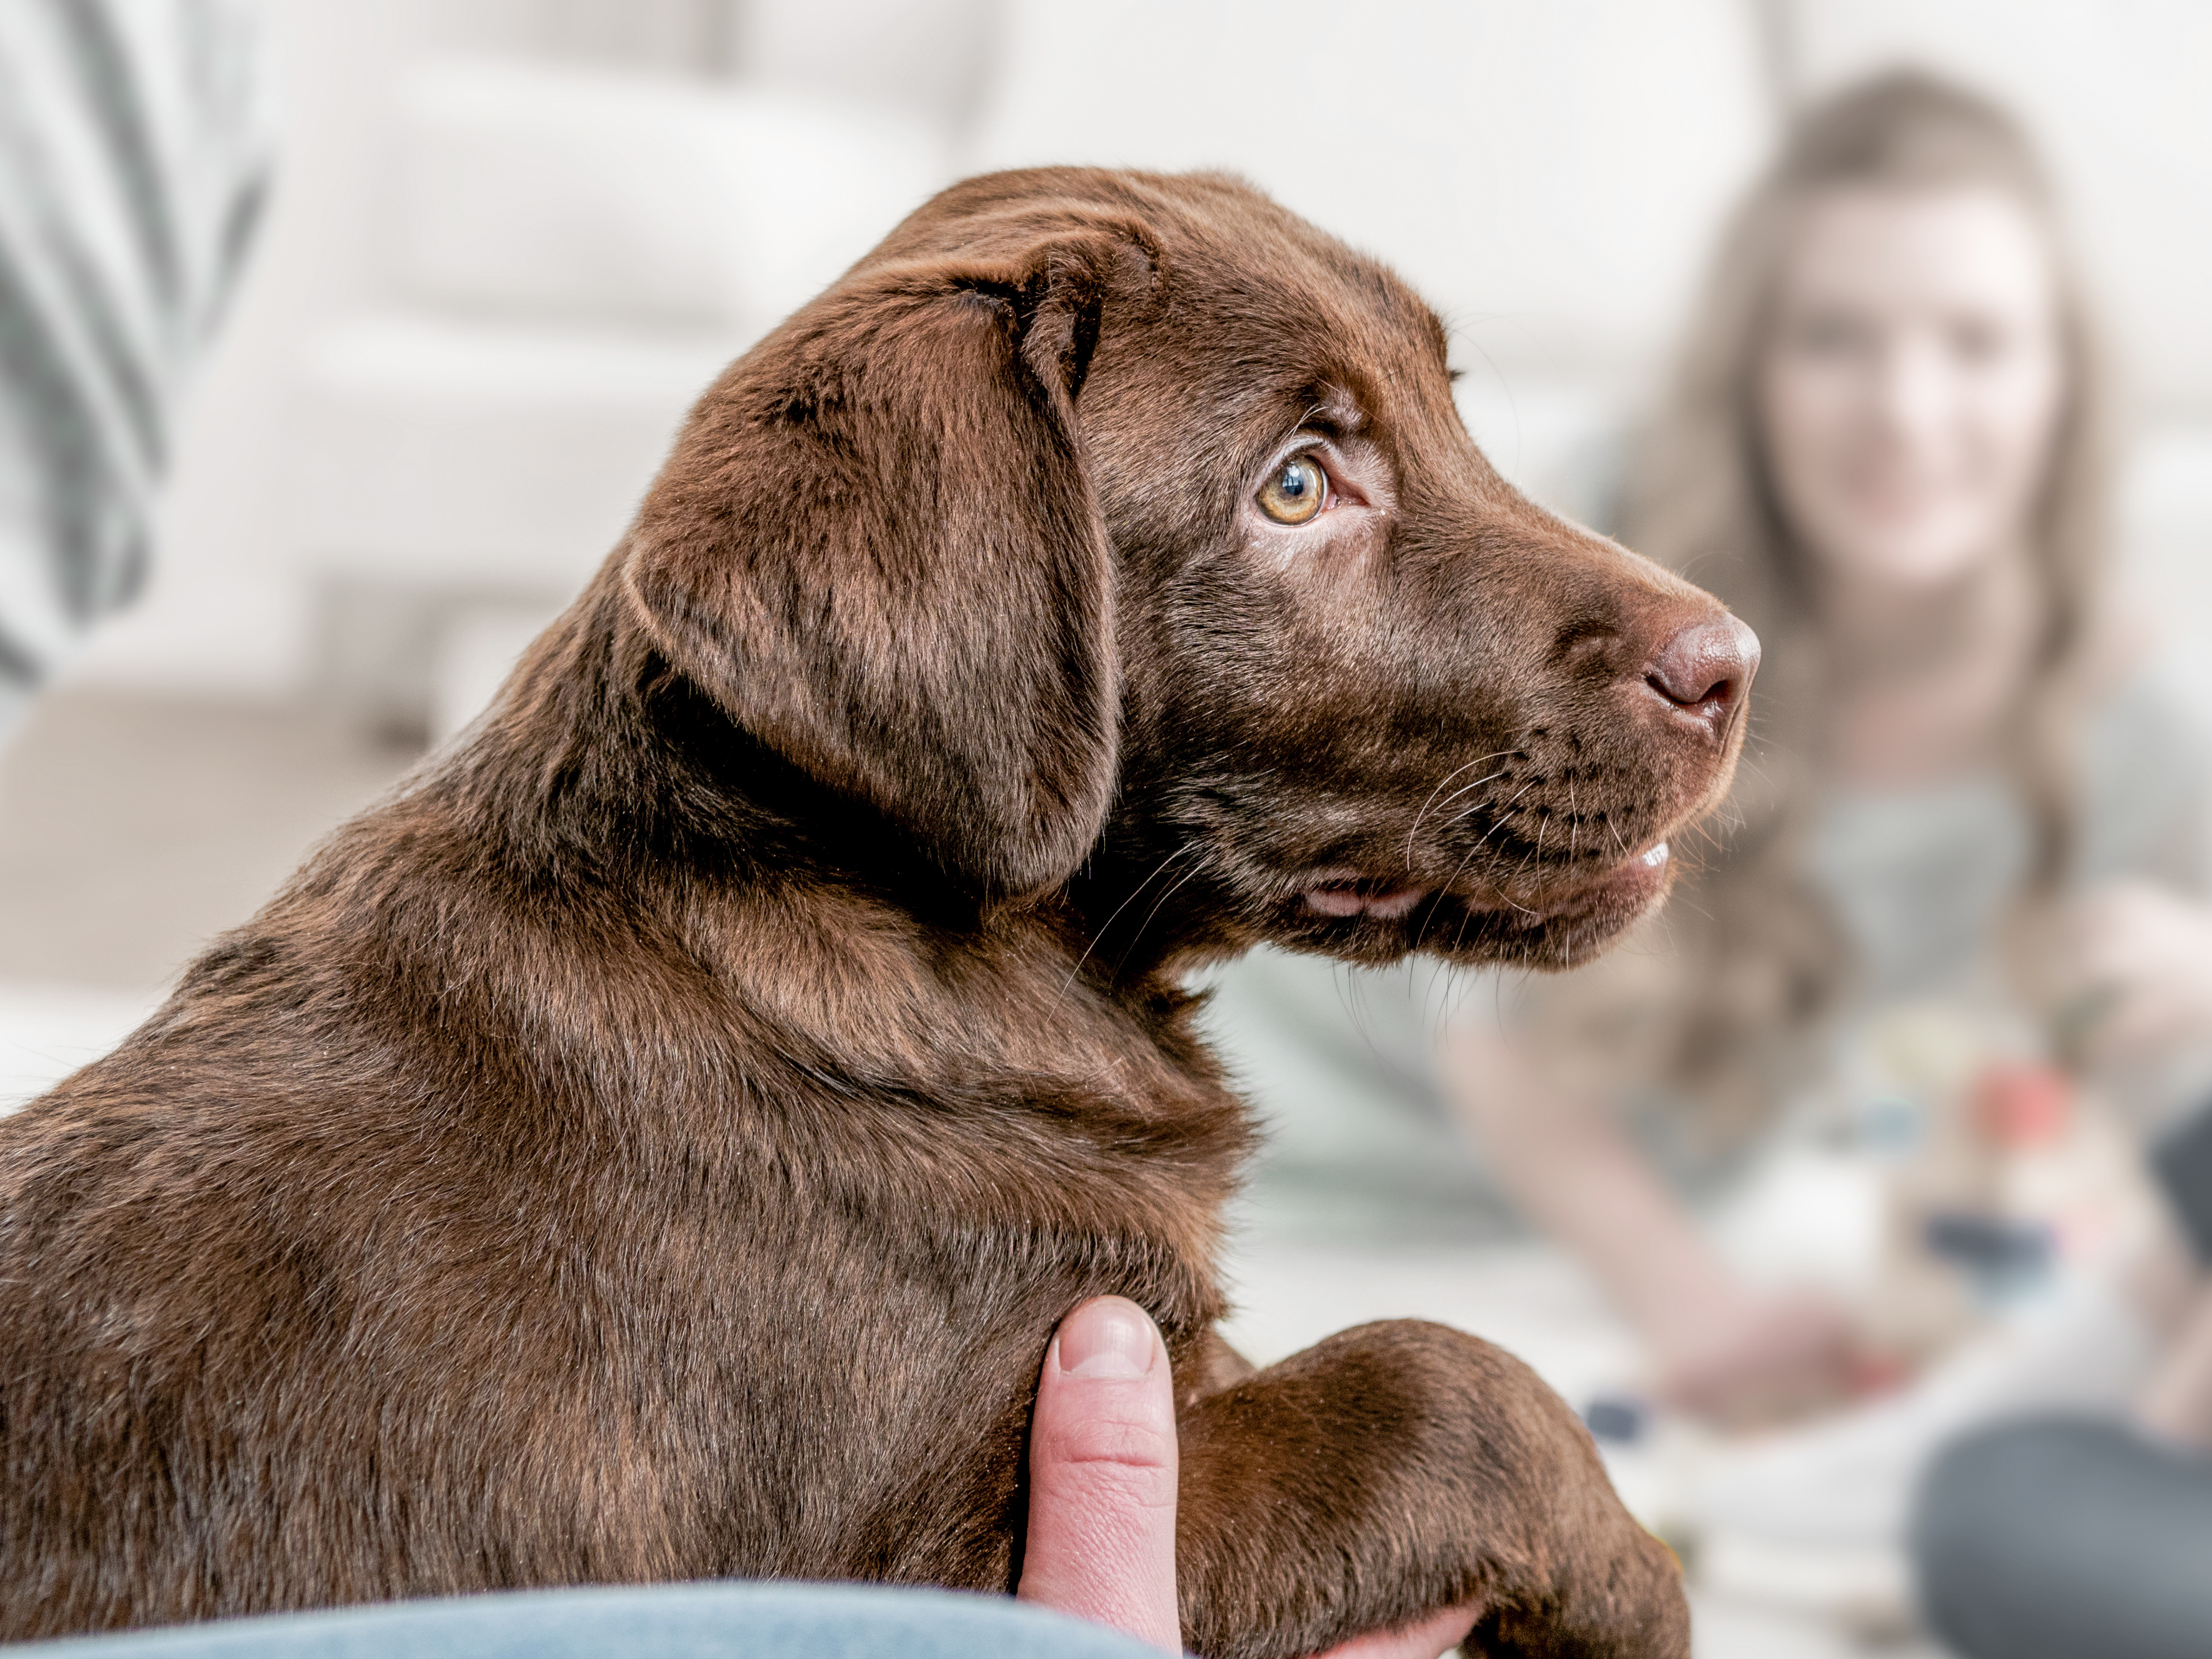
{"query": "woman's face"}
(1911, 383)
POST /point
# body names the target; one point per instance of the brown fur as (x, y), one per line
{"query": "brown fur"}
(658, 1142)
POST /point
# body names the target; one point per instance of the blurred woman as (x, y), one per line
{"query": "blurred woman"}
(1886, 449)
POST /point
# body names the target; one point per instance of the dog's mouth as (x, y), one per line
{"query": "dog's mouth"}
(1345, 894)
(1545, 919)
(1621, 893)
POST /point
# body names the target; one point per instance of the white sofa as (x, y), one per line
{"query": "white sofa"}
(570, 257)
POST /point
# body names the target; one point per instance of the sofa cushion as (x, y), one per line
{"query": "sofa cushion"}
(620, 198)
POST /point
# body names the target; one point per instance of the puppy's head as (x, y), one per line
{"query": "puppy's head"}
(1099, 519)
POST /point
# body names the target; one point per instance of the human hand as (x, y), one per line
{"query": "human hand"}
(1756, 1359)
(1100, 1543)
(2139, 964)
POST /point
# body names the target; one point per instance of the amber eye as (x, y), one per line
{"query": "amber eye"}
(1296, 491)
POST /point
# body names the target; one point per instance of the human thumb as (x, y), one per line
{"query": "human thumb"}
(1101, 1542)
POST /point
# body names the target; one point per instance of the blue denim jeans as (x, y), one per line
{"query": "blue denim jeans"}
(2059, 1538)
(669, 1621)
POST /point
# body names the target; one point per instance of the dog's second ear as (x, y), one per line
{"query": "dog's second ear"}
(877, 548)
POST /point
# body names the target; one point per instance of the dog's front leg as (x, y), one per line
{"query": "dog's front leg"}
(1398, 1469)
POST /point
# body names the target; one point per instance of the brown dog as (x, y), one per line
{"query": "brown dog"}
(659, 1141)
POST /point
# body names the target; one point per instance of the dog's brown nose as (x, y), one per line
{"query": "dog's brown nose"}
(1705, 669)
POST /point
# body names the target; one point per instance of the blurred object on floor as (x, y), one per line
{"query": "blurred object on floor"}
(1815, 1517)
(134, 829)
(2057, 1533)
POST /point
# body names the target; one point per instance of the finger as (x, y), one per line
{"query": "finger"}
(1437, 1634)
(1101, 1540)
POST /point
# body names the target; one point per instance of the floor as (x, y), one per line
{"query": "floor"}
(132, 831)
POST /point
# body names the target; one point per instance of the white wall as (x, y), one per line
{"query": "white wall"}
(1548, 175)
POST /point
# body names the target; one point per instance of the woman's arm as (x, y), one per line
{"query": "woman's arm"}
(1722, 1348)
(2137, 960)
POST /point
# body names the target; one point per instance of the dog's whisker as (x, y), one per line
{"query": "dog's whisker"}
(1492, 777)
(1476, 847)
(1502, 813)
(1158, 869)
(1441, 785)
(1506, 805)
(1502, 809)
(1137, 937)
(1516, 876)
(1459, 936)
(1477, 784)
(1466, 912)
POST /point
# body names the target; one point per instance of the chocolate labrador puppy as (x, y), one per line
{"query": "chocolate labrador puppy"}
(657, 1142)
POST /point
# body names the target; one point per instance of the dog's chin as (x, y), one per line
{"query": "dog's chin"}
(1555, 924)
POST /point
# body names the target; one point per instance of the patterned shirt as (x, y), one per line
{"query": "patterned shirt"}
(133, 163)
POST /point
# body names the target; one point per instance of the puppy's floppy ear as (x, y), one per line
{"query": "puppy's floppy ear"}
(876, 548)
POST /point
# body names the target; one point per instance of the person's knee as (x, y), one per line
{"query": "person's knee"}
(1965, 1516)
(2050, 1538)
(2010, 1568)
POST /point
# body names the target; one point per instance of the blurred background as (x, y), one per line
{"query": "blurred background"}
(510, 240)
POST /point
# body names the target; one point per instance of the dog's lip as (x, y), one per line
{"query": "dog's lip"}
(1345, 893)
(1640, 877)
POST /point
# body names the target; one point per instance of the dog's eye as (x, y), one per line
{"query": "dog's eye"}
(1296, 491)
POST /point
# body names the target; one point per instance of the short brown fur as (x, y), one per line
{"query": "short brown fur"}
(658, 1142)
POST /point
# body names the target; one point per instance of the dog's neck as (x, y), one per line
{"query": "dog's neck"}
(602, 768)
